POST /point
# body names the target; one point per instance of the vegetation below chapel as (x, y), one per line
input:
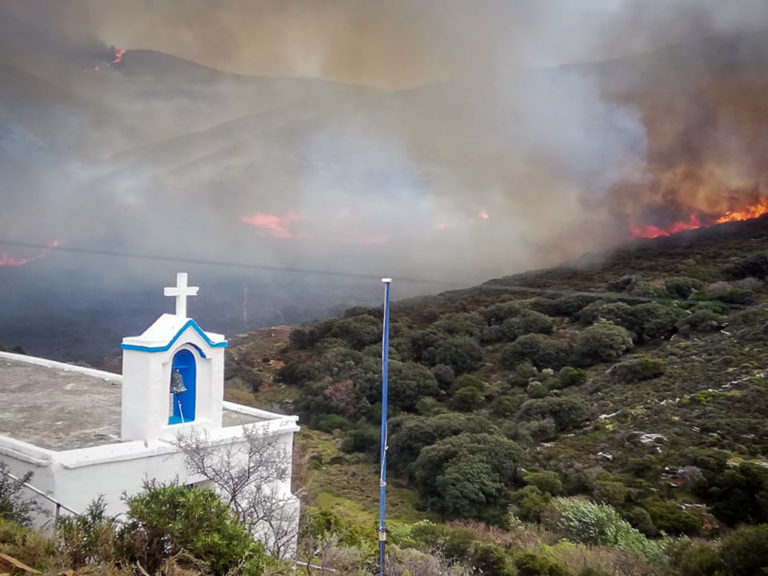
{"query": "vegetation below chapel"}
(602, 419)
(635, 383)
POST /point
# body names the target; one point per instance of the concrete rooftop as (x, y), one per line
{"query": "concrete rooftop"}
(61, 408)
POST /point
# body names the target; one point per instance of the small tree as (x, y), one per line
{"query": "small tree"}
(13, 506)
(247, 474)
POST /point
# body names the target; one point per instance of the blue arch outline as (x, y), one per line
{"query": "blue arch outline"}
(190, 323)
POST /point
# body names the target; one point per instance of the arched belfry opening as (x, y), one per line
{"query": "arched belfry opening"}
(183, 388)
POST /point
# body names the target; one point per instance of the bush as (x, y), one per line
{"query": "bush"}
(636, 370)
(701, 320)
(363, 438)
(672, 519)
(736, 495)
(681, 287)
(530, 503)
(492, 559)
(298, 373)
(466, 399)
(331, 422)
(590, 523)
(567, 412)
(754, 266)
(546, 481)
(467, 476)
(90, 538)
(564, 306)
(539, 350)
(358, 331)
(601, 342)
(646, 322)
(528, 322)
(444, 376)
(745, 551)
(460, 353)
(163, 520)
(408, 382)
(570, 376)
(460, 324)
(529, 564)
(13, 506)
(406, 443)
(695, 558)
(496, 314)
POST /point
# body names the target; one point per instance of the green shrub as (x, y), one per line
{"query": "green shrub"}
(506, 406)
(460, 353)
(466, 399)
(601, 342)
(681, 287)
(547, 481)
(492, 559)
(701, 320)
(753, 265)
(745, 551)
(636, 370)
(163, 520)
(357, 331)
(564, 306)
(695, 558)
(406, 443)
(527, 322)
(736, 495)
(14, 507)
(408, 382)
(567, 412)
(331, 422)
(298, 373)
(444, 376)
(672, 519)
(89, 538)
(570, 376)
(460, 324)
(541, 351)
(641, 519)
(530, 503)
(530, 564)
(468, 476)
(496, 314)
(362, 438)
(584, 521)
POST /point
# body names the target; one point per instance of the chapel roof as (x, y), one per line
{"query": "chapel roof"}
(63, 407)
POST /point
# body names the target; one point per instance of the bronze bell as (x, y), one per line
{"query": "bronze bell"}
(177, 383)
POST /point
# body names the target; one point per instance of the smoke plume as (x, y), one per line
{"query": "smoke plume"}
(438, 140)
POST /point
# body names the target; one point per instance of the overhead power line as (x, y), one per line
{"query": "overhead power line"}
(490, 285)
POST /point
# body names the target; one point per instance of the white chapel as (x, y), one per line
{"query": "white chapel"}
(85, 433)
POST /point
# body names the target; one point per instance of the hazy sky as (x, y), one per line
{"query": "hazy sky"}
(486, 169)
(396, 42)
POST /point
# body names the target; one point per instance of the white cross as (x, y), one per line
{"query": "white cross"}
(181, 291)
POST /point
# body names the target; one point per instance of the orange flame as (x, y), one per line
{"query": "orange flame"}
(117, 55)
(6, 260)
(749, 212)
(273, 225)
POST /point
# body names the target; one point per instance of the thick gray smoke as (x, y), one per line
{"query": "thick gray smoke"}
(438, 139)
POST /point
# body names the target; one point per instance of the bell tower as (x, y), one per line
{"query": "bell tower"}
(173, 374)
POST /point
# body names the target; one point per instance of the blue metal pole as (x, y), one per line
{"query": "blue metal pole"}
(384, 392)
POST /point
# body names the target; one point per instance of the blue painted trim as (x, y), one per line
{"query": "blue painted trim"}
(167, 347)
